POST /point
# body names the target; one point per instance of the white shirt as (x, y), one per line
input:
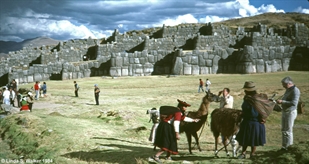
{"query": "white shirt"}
(6, 94)
(226, 102)
(208, 83)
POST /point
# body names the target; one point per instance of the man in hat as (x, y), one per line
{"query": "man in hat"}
(168, 130)
(289, 103)
(96, 93)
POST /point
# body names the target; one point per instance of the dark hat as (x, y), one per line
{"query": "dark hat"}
(183, 103)
(249, 86)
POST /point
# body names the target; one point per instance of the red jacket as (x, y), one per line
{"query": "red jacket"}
(36, 86)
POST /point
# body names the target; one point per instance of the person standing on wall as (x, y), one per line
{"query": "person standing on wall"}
(289, 103)
(201, 86)
(207, 84)
(76, 89)
(96, 93)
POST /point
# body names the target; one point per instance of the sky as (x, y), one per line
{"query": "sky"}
(80, 19)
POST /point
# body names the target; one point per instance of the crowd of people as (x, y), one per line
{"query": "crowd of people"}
(252, 132)
(11, 95)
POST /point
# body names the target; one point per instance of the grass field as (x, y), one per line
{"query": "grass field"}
(66, 129)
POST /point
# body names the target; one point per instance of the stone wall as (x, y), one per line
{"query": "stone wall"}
(187, 49)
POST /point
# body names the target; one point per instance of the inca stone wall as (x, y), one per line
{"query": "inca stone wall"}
(188, 49)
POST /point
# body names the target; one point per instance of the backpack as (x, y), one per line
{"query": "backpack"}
(300, 107)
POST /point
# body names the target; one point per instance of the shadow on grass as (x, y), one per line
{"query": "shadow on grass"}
(124, 154)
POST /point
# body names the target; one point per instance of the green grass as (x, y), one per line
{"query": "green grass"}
(67, 129)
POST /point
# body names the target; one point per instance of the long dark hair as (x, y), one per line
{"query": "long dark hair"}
(251, 93)
(180, 105)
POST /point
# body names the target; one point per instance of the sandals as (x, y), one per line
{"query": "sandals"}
(252, 156)
(168, 158)
(242, 156)
(157, 159)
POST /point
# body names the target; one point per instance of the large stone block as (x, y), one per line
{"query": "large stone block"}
(195, 70)
(119, 61)
(208, 63)
(187, 69)
(115, 71)
(37, 77)
(246, 68)
(260, 66)
(194, 60)
(178, 67)
(124, 71)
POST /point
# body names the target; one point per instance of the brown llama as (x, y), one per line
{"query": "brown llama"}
(191, 128)
(225, 121)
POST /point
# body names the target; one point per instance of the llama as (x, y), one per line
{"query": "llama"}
(225, 121)
(191, 128)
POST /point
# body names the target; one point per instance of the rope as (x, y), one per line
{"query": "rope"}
(198, 138)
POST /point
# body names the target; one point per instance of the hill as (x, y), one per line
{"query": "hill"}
(276, 20)
(6, 46)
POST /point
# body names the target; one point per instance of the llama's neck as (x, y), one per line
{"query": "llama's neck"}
(203, 110)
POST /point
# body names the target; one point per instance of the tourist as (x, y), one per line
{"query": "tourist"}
(226, 100)
(30, 100)
(12, 97)
(289, 103)
(6, 96)
(44, 88)
(201, 85)
(207, 84)
(37, 90)
(76, 89)
(96, 93)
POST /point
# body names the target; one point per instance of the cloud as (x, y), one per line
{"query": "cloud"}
(97, 19)
(212, 19)
(301, 10)
(33, 25)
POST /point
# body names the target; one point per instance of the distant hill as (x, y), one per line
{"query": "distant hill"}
(276, 20)
(6, 46)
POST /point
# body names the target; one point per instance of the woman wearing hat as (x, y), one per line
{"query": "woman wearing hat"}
(252, 130)
(167, 132)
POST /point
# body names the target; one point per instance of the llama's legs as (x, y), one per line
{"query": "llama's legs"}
(216, 144)
(225, 145)
(189, 139)
(234, 143)
(196, 141)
